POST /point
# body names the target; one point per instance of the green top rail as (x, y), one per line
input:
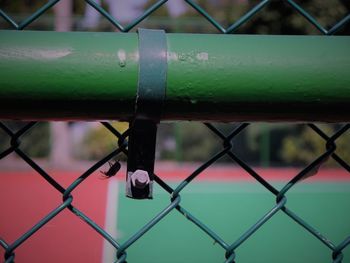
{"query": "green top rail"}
(94, 76)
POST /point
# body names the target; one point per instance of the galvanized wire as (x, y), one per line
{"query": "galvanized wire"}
(230, 249)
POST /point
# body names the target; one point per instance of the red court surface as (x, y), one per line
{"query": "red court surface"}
(25, 198)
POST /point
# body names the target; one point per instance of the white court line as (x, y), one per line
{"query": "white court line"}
(108, 251)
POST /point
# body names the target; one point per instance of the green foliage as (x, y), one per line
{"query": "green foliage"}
(195, 142)
(21, 6)
(279, 17)
(198, 143)
(29, 6)
(305, 146)
(99, 141)
(35, 143)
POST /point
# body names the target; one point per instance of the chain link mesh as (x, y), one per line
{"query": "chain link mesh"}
(229, 249)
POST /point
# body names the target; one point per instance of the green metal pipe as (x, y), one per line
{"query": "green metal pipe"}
(93, 76)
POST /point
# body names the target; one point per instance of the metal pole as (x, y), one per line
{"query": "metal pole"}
(61, 150)
(89, 76)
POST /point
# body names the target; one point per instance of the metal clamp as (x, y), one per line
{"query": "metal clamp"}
(148, 107)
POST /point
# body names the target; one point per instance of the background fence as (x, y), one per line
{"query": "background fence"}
(279, 17)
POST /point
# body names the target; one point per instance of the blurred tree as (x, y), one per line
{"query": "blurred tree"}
(278, 17)
(198, 142)
(21, 6)
(99, 141)
(305, 146)
(35, 142)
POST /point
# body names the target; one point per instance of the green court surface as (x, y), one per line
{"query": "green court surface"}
(230, 208)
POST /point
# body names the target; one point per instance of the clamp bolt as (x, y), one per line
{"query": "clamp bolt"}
(140, 179)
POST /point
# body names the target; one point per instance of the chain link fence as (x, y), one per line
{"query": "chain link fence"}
(230, 249)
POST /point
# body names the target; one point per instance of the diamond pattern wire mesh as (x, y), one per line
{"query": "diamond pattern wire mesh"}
(174, 193)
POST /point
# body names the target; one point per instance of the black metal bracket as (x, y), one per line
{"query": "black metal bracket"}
(148, 107)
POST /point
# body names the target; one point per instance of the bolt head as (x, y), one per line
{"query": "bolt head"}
(140, 179)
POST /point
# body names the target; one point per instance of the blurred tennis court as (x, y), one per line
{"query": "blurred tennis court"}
(226, 200)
